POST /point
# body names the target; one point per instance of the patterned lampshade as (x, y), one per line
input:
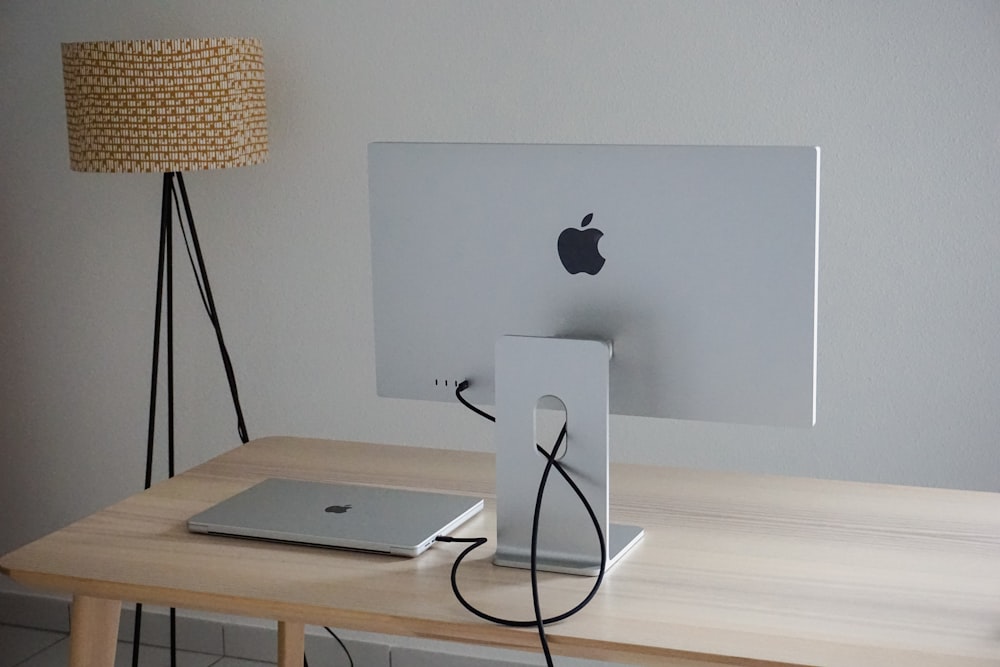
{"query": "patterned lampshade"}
(165, 105)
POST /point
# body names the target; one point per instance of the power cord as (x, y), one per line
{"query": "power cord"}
(476, 542)
(205, 291)
(193, 248)
(350, 660)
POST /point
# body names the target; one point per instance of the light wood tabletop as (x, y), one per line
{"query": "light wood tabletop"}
(734, 569)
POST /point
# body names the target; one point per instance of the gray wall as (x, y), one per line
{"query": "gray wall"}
(902, 96)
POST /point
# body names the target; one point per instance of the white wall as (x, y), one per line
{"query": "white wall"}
(902, 96)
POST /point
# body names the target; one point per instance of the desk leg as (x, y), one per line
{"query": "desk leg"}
(93, 631)
(291, 643)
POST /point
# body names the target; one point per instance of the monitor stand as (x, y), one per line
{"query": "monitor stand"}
(577, 373)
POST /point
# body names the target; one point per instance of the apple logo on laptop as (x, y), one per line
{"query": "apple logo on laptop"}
(578, 248)
(338, 509)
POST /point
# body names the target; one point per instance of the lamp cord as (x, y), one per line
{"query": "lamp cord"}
(172, 181)
(205, 290)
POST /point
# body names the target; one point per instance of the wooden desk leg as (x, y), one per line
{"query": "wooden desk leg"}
(291, 643)
(93, 631)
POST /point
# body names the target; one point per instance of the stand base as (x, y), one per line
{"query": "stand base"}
(620, 540)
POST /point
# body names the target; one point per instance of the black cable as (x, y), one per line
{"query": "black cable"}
(535, 598)
(538, 621)
(462, 386)
(185, 221)
(197, 262)
(476, 542)
(191, 261)
(205, 289)
(350, 660)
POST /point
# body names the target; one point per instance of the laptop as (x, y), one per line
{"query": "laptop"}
(343, 516)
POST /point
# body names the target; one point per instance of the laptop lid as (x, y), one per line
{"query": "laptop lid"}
(345, 516)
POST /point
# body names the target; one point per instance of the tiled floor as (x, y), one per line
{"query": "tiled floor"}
(25, 647)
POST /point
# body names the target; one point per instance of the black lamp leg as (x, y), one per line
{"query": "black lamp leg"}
(164, 283)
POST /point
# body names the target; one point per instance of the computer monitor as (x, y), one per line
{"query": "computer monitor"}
(696, 267)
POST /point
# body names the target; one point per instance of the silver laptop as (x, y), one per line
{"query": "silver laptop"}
(344, 516)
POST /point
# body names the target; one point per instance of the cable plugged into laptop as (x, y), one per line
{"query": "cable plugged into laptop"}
(449, 538)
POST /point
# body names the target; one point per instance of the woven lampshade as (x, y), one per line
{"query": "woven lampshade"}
(165, 105)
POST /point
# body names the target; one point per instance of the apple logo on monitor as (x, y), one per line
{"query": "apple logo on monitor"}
(578, 248)
(338, 509)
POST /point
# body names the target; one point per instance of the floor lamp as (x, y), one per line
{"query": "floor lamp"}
(168, 106)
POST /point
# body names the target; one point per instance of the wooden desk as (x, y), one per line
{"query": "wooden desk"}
(734, 569)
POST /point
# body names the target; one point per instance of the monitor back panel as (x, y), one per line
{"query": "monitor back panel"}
(707, 292)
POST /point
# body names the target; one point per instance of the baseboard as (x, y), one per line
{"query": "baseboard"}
(256, 639)
(34, 610)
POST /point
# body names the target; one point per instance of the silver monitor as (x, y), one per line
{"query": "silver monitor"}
(696, 265)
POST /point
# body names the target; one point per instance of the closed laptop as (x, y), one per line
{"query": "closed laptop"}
(346, 516)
